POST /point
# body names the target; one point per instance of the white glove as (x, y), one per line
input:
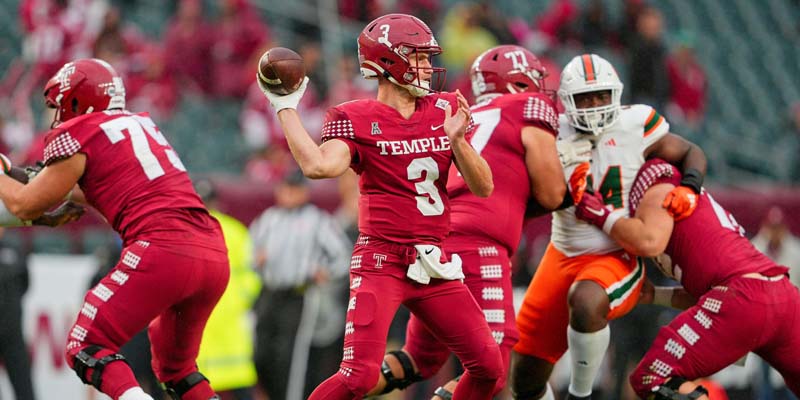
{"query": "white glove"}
(575, 152)
(290, 100)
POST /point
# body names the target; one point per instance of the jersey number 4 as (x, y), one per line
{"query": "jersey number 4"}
(610, 187)
(135, 126)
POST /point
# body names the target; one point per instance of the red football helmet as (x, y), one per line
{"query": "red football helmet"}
(384, 47)
(507, 69)
(84, 86)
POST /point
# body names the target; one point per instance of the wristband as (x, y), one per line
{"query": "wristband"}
(612, 219)
(662, 296)
(693, 179)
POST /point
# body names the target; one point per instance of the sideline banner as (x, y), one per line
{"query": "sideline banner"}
(57, 286)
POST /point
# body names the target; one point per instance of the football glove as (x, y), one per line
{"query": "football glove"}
(680, 202)
(591, 209)
(575, 152)
(280, 102)
(578, 181)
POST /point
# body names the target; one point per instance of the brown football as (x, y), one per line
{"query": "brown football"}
(281, 70)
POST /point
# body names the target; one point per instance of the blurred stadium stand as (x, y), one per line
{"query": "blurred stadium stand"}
(750, 50)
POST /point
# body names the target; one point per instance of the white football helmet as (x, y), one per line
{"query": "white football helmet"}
(590, 73)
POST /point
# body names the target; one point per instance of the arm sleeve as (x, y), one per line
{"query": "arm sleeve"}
(338, 125)
(540, 112)
(654, 128)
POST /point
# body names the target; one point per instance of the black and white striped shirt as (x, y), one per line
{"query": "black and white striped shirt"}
(298, 242)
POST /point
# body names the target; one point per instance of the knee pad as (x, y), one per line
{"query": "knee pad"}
(85, 360)
(669, 391)
(409, 376)
(177, 389)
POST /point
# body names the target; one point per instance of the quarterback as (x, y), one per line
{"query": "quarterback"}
(401, 145)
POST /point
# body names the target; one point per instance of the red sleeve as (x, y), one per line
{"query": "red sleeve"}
(653, 172)
(59, 145)
(338, 125)
(541, 112)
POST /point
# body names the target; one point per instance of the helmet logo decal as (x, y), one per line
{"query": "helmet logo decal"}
(384, 39)
(518, 59)
(63, 77)
(588, 68)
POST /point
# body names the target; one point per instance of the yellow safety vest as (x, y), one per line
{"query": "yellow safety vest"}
(226, 352)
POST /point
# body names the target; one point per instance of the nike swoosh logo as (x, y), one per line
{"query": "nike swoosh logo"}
(429, 251)
(599, 213)
(436, 127)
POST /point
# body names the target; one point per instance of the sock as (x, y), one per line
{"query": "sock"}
(586, 355)
(135, 393)
(548, 395)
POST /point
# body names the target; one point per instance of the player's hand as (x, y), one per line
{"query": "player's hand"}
(455, 126)
(680, 202)
(574, 152)
(591, 209)
(5, 164)
(578, 182)
(65, 213)
(290, 100)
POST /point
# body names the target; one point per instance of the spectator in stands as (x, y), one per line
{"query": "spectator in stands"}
(687, 83)
(426, 10)
(298, 248)
(557, 23)
(187, 40)
(776, 241)
(463, 38)
(226, 352)
(239, 36)
(594, 31)
(13, 350)
(794, 139)
(626, 31)
(351, 86)
(490, 18)
(360, 10)
(649, 82)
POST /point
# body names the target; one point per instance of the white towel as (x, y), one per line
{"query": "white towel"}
(428, 265)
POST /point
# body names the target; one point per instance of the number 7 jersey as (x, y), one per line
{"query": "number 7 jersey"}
(131, 170)
(617, 156)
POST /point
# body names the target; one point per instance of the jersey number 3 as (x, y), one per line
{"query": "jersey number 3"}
(135, 126)
(429, 203)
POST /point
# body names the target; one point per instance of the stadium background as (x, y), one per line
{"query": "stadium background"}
(748, 52)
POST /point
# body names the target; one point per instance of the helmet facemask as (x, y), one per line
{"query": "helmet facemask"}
(593, 120)
(590, 73)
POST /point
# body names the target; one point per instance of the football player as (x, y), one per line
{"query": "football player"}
(401, 145)
(733, 282)
(174, 263)
(586, 279)
(516, 127)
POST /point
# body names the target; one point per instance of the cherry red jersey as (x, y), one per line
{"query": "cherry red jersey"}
(402, 164)
(498, 139)
(709, 247)
(133, 177)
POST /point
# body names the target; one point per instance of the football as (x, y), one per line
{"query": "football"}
(281, 70)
